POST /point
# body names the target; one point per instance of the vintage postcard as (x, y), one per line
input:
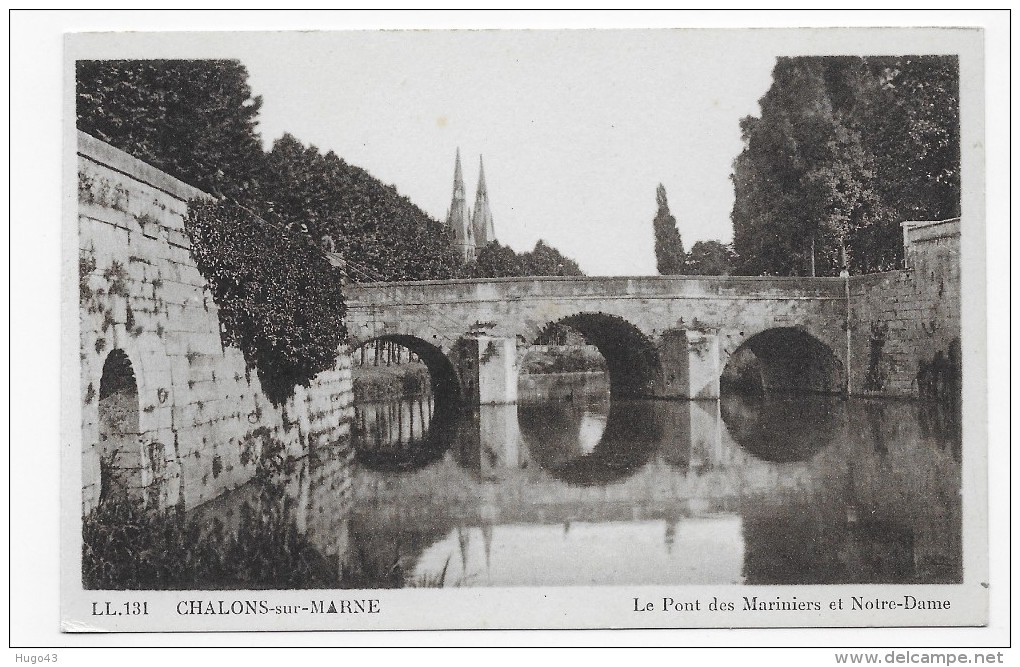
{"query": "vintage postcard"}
(505, 329)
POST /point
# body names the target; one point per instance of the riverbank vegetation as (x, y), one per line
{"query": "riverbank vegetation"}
(566, 359)
(128, 547)
(378, 383)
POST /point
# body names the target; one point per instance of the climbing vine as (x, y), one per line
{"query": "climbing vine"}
(86, 265)
(279, 298)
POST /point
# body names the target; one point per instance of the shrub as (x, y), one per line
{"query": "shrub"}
(279, 298)
(125, 547)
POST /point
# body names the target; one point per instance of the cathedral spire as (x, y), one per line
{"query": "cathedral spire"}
(484, 231)
(458, 179)
(458, 219)
(481, 177)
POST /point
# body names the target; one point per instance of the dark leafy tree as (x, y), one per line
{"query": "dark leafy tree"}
(497, 261)
(194, 119)
(780, 229)
(381, 234)
(545, 260)
(910, 124)
(710, 258)
(844, 150)
(669, 247)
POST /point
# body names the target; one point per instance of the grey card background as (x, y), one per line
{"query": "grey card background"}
(36, 621)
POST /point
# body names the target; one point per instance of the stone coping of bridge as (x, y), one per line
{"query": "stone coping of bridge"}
(827, 280)
(580, 288)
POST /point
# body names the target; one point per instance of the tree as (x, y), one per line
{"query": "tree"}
(910, 123)
(194, 119)
(546, 260)
(710, 258)
(497, 261)
(776, 223)
(382, 235)
(669, 247)
(844, 150)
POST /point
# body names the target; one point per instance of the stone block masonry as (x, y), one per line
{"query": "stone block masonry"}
(904, 322)
(488, 368)
(183, 420)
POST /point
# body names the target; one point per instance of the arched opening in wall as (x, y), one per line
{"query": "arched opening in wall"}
(630, 357)
(121, 461)
(405, 396)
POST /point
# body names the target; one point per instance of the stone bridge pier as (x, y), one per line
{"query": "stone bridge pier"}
(488, 367)
(688, 366)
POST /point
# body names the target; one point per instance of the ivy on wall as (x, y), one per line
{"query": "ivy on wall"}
(280, 300)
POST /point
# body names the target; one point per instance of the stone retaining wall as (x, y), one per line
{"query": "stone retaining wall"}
(903, 321)
(203, 421)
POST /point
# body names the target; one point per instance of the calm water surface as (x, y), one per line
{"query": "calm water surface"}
(569, 487)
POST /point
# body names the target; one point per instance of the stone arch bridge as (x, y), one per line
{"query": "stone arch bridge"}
(663, 336)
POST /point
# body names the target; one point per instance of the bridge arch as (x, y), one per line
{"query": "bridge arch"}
(631, 356)
(443, 375)
(784, 360)
(406, 436)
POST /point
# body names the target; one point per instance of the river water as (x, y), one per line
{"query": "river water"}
(571, 488)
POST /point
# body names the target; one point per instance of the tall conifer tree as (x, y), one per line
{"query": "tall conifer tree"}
(669, 247)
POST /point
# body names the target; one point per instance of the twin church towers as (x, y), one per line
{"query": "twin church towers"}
(472, 231)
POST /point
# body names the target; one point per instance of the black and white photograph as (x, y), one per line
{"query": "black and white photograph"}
(523, 329)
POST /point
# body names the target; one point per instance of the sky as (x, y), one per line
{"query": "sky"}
(577, 127)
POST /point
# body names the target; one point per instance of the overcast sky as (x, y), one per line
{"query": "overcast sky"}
(577, 127)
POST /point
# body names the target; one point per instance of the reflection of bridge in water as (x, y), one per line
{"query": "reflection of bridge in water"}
(832, 504)
(536, 463)
(572, 492)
